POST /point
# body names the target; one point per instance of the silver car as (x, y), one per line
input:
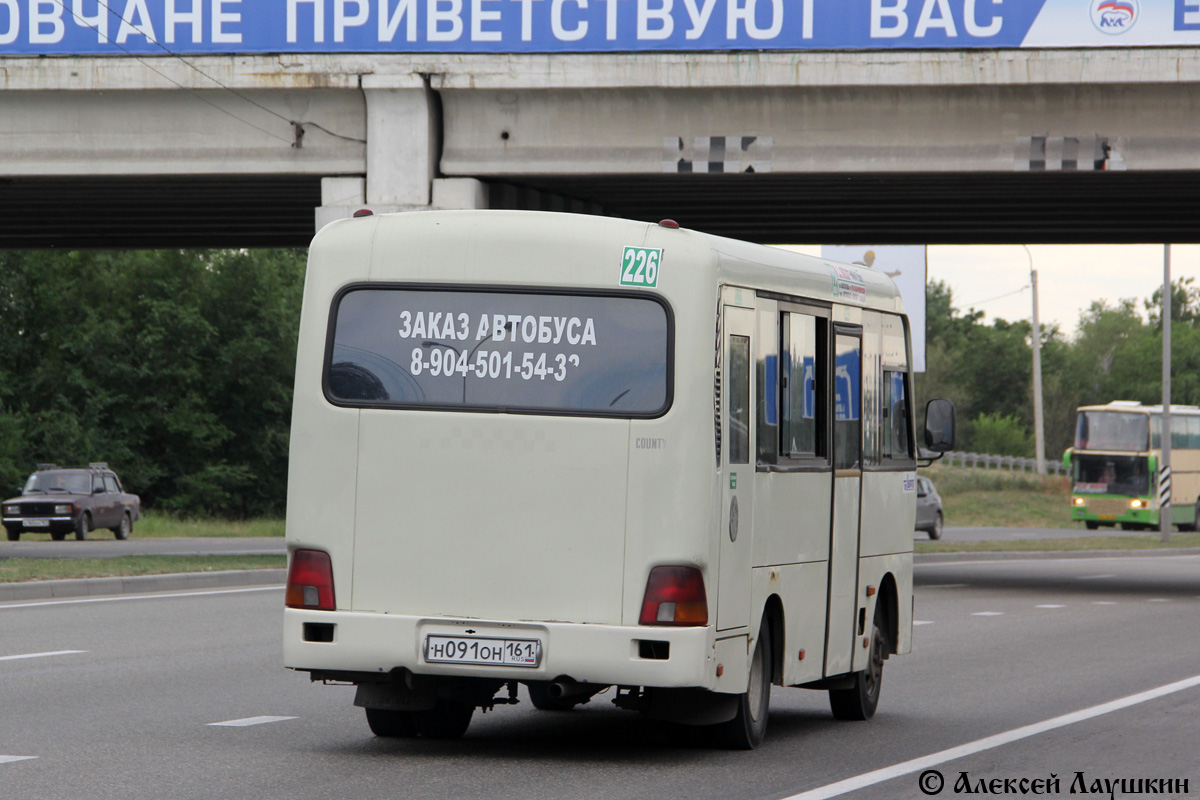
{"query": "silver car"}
(929, 509)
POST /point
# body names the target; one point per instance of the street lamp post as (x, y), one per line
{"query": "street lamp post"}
(1038, 428)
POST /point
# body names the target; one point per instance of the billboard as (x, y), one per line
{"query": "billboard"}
(158, 27)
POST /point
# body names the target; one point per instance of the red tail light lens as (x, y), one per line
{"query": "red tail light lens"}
(674, 596)
(310, 581)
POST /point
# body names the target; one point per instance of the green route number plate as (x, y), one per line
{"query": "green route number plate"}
(640, 266)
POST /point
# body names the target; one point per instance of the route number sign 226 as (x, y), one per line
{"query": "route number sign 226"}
(640, 266)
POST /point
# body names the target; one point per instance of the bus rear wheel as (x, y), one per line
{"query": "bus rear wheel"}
(859, 701)
(449, 719)
(747, 729)
(391, 724)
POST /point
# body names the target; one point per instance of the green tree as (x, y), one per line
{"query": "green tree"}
(174, 366)
(999, 435)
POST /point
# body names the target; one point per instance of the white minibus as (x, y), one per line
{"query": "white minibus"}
(584, 454)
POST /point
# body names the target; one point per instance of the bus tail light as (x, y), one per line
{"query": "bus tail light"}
(674, 596)
(310, 581)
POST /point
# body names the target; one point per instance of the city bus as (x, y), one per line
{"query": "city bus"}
(585, 455)
(1115, 461)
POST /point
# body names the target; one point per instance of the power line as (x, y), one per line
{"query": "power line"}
(998, 297)
(298, 126)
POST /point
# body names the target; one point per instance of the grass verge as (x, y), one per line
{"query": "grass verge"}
(158, 525)
(1147, 542)
(1000, 499)
(14, 570)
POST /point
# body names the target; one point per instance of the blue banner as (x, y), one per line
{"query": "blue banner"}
(157, 27)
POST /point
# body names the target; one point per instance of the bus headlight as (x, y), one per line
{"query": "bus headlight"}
(1077, 502)
(1138, 504)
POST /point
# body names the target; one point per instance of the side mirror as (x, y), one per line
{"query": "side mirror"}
(940, 423)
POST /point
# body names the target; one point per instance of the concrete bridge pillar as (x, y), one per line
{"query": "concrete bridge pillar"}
(403, 131)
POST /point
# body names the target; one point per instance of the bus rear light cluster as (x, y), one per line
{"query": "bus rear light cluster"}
(310, 581)
(674, 596)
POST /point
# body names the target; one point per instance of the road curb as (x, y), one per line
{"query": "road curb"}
(934, 558)
(182, 581)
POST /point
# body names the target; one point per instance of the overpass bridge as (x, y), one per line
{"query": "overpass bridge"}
(149, 145)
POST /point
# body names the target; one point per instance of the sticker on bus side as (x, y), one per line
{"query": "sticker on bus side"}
(640, 266)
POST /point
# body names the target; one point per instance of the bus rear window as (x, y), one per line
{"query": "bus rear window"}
(497, 350)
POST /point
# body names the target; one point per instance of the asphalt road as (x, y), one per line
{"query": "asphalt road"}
(102, 545)
(117, 698)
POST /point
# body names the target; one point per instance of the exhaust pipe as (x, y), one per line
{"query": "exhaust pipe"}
(569, 688)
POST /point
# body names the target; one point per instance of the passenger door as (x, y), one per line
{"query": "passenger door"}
(100, 502)
(847, 488)
(737, 468)
(112, 502)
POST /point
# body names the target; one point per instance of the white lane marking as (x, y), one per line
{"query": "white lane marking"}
(988, 743)
(1096, 577)
(42, 655)
(248, 721)
(988, 614)
(10, 759)
(116, 598)
(922, 622)
(1103, 603)
(946, 586)
(1158, 600)
(1051, 605)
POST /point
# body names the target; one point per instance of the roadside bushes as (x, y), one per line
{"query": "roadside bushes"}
(173, 366)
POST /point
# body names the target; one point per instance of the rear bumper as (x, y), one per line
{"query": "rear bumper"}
(601, 654)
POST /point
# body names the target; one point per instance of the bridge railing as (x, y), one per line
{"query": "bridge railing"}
(1010, 463)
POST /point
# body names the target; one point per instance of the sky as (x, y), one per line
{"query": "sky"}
(995, 278)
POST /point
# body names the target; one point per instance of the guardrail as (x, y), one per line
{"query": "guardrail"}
(1011, 463)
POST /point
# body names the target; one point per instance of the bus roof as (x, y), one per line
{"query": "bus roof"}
(1133, 406)
(729, 261)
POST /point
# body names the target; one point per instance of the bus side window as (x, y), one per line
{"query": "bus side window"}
(847, 423)
(803, 369)
(770, 377)
(896, 441)
(738, 400)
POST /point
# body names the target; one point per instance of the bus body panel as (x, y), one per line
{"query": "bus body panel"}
(323, 444)
(843, 575)
(453, 520)
(800, 588)
(520, 517)
(889, 500)
(795, 506)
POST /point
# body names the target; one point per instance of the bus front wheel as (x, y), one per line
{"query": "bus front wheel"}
(747, 729)
(861, 698)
